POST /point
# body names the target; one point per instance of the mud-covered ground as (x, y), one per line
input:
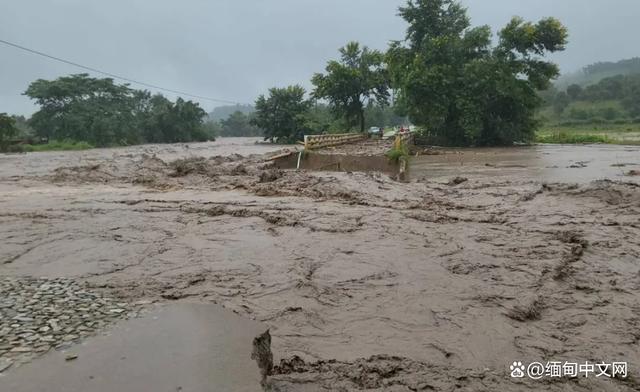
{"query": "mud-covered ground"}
(367, 283)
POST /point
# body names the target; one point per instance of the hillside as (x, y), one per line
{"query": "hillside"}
(593, 73)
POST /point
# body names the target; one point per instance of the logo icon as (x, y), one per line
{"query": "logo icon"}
(517, 370)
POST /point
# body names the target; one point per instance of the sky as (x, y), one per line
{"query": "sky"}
(235, 50)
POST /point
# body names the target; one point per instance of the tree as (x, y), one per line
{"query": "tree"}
(212, 129)
(100, 112)
(631, 102)
(574, 92)
(8, 130)
(561, 102)
(354, 82)
(383, 116)
(22, 124)
(459, 88)
(283, 114)
(239, 124)
(78, 107)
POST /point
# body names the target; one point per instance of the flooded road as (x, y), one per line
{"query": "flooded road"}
(179, 347)
(365, 282)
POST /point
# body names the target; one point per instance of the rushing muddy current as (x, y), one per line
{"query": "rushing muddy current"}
(484, 258)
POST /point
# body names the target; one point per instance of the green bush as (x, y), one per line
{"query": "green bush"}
(63, 145)
(568, 138)
(580, 114)
(397, 153)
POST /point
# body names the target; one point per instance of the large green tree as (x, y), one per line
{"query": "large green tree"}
(461, 89)
(352, 83)
(162, 121)
(283, 114)
(79, 107)
(103, 113)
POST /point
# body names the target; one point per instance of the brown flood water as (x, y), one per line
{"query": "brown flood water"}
(366, 283)
(548, 163)
(180, 347)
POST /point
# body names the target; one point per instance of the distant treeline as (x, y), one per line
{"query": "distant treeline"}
(615, 98)
(454, 81)
(319, 119)
(595, 72)
(103, 113)
(624, 67)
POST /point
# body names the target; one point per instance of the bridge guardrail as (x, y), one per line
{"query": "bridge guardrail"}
(319, 141)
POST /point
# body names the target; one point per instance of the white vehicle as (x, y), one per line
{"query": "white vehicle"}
(375, 131)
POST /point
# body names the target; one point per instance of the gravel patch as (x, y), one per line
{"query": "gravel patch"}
(37, 315)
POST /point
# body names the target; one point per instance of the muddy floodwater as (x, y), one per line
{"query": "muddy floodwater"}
(180, 347)
(550, 163)
(484, 258)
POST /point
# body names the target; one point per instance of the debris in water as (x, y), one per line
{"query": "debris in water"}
(457, 181)
(262, 354)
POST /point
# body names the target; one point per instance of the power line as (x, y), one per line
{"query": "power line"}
(153, 86)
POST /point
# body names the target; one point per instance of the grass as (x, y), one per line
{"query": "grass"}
(583, 133)
(573, 138)
(56, 145)
(398, 152)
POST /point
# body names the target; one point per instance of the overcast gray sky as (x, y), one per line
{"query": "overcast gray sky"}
(236, 49)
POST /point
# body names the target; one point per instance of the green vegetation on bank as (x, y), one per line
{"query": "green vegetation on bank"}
(605, 110)
(582, 133)
(459, 84)
(359, 79)
(593, 73)
(55, 145)
(398, 152)
(572, 138)
(79, 112)
(461, 88)
(446, 76)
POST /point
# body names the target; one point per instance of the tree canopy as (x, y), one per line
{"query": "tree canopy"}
(615, 98)
(283, 114)
(459, 88)
(357, 80)
(98, 111)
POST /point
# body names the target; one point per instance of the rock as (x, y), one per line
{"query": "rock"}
(43, 349)
(71, 357)
(457, 181)
(54, 325)
(5, 364)
(143, 302)
(21, 349)
(37, 314)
